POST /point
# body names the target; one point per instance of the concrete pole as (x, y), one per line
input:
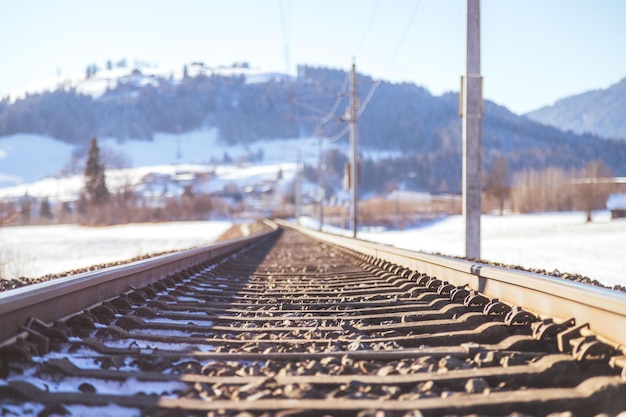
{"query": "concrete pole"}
(320, 183)
(354, 140)
(297, 190)
(472, 113)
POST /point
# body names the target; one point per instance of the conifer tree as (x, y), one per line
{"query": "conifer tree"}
(95, 181)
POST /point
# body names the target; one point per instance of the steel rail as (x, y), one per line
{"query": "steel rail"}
(603, 309)
(225, 335)
(53, 300)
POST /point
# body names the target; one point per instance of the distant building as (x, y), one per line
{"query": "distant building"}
(616, 203)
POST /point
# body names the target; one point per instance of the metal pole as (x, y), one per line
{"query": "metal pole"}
(297, 191)
(320, 182)
(354, 114)
(472, 112)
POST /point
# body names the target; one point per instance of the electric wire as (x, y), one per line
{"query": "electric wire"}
(339, 135)
(405, 33)
(340, 97)
(407, 28)
(286, 26)
(369, 96)
(341, 94)
(368, 27)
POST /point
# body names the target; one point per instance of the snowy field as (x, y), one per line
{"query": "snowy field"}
(34, 251)
(549, 241)
(47, 157)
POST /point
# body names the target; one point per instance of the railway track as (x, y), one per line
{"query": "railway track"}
(295, 322)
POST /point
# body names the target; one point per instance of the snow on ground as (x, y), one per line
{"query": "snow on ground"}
(167, 154)
(549, 241)
(560, 241)
(43, 155)
(69, 188)
(203, 146)
(46, 157)
(34, 251)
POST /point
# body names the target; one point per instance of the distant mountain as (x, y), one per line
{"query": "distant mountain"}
(600, 112)
(247, 107)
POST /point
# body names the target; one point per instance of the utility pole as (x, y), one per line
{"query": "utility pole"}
(472, 112)
(354, 139)
(297, 191)
(320, 181)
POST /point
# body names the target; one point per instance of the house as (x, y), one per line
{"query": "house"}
(616, 203)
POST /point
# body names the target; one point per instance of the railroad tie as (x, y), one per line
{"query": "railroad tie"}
(294, 327)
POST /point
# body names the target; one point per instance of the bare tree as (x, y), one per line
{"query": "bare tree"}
(45, 211)
(113, 159)
(549, 189)
(591, 191)
(25, 208)
(497, 183)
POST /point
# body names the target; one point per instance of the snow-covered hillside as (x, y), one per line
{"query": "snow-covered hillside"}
(33, 164)
(69, 188)
(97, 83)
(25, 158)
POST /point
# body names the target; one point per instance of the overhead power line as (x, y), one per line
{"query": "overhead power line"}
(405, 33)
(368, 27)
(340, 96)
(285, 20)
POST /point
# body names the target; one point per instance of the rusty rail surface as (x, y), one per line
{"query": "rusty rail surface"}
(302, 323)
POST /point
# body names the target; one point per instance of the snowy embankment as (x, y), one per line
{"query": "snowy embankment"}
(167, 153)
(548, 241)
(34, 251)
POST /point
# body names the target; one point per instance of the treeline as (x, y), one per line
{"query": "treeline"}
(123, 206)
(64, 115)
(100, 204)
(241, 112)
(555, 189)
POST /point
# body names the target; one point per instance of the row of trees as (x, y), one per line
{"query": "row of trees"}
(93, 69)
(122, 207)
(100, 204)
(549, 189)
(554, 189)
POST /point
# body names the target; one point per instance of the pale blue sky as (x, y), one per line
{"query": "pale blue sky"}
(533, 51)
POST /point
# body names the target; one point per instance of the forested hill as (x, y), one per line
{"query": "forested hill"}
(400, 117)
(602, 112)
